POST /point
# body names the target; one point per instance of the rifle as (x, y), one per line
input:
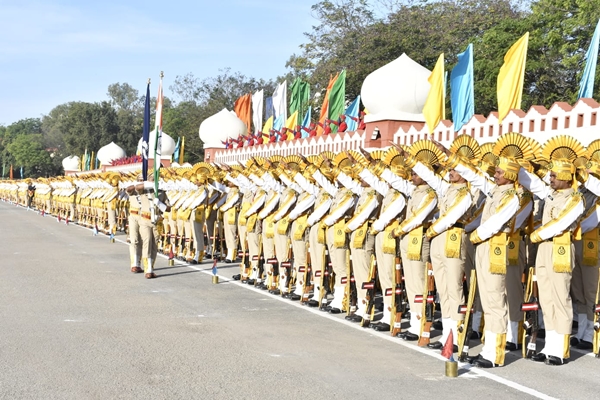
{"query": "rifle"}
(531, 309)
(398, 301)
(222, 254)
(465, 329)
(596, 338)
(306, 270)
(350, 295)
(370, 298)
(428, 306)
(325, 275)
(245, 264)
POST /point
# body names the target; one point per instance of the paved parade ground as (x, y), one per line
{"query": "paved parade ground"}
(77, 324)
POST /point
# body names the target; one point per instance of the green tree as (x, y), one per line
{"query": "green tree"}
(29, 152)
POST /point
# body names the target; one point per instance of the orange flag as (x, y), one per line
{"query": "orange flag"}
(243, 109)
(325, 106)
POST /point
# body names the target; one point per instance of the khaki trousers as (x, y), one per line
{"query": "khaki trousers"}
(492, 292)
(584, 283)
(135, 240)
(386, 269)
(414, 276)
(448, 273)
(361, 263)
(317, 255)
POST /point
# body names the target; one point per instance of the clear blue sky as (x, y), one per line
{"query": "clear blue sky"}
(56, 51)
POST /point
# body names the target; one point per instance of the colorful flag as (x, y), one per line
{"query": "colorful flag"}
(278, 124)
(300, 96)
(175, 156)
(243, 109)
(306, 121)
(269, 111)
(257, 110)
(434, 109)
(352, 112)
(462, 89)
(337, 99)
(511, 78)
(280, 101)
(586, 86)
(325, 106)
(448, 349)
(291, 124)
(214, 268)
(267, 128)
(158, 133)
(145, 134)
(182, 151)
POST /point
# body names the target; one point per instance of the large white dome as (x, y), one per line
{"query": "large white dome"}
(167, 146)
(71, 163)
(218, 128)
(397, 91)
(110, 152)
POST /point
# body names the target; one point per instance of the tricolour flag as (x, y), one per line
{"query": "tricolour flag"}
(462, 89)
(586, 86)
(145, 134)
(337, 99)
(435, 108)
(511, 78)
(158, 133)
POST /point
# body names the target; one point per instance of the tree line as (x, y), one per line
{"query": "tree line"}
(356, 35)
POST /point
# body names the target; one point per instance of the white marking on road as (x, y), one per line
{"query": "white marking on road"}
(72, 320)
(200, 316)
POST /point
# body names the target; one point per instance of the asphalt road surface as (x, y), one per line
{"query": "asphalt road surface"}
(76, 324)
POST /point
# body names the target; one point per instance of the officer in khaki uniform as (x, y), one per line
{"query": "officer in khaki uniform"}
(555, 260)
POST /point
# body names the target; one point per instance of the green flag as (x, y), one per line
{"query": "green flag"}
(299, 97)
(337, 99)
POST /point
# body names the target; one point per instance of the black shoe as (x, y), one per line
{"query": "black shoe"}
(381, 327)
(276, 292)
(250, 281)
(435, 345)
(510, 346)
(437, 325)
(574, 341)
(237, 277)
(539, 357)
(411, 337)
(333, 310)
(227, 261)
(353, 318)
(541, 334)
(585, 345)
(295, 297)
(483, 363)
(553, 360)
(261, 286)
(472, 359)
(312, 303)
(208, 255)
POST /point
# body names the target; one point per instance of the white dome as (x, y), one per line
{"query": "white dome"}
(71, 163)
(218, 128)
(167, 146)
(397, 91)
(110, 152)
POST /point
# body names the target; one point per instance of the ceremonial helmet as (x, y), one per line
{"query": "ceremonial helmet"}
(562, 151)
(510, 148)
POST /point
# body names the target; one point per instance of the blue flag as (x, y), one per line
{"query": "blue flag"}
(21, 172)
(462, 91)
(306, 121)
(352, 112)
(176, 152)
(586, 86)
(278, 124)
(269, 110)
(146, 134)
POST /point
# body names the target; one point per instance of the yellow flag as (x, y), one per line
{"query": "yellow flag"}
(435, 105)
(511, 77)
(267, 128)
(291, 123)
